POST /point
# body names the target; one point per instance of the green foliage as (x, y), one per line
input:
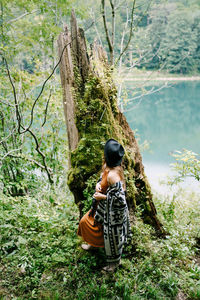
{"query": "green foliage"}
(170, 40)
(148, 39)
(187, 165)
(20, 164)
(29, 30)
(95, 120)
(41, 256)
(89, 191)
(39, 249)
(179, 45)
(165, 35)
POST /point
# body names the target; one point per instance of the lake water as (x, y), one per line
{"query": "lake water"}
(168, 120)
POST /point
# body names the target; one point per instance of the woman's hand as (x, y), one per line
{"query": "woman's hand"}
(99, 196)
(98, 187)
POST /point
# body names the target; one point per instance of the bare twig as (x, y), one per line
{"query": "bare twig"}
(130, 33)
(48, 170)
(123, 35)
(152, 91)
(1, 19)
(49, 173)
(5, 138)
(110, 46)
(6, 103)
(8, 153)
(14, 94)
(43, 86)
(148, 78)
(131, 29)
(27, 158)
(22, 16)
(92, 14)
(46, 109)
(112, 4)
(45, 118)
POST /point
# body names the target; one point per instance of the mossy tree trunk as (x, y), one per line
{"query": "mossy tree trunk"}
(92, 117)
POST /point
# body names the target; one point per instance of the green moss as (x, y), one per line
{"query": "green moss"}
(96, 108)
(97, 121)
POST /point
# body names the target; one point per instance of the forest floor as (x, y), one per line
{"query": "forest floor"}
(41, 257)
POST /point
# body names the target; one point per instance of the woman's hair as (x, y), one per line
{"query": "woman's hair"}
(120, 172)
(119, 169)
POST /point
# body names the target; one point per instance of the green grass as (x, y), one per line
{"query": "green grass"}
(41, 256)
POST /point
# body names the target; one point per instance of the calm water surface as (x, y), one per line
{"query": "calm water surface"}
(169, 120)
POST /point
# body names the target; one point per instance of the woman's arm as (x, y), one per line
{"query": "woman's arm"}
(98, 187)
(113, 177)
(99, 196)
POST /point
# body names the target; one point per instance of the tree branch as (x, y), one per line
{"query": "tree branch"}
(14, 94)
(46, 109)
(106, 29)
(43, 86)
(92, 14)
(48, 170)
(113, 29)
(49, 173)
(20, 17)
(152, 91)
(123, 35)
(6, 103)
(130, 34)
(27, 158)
(5, 138)
(8, 153)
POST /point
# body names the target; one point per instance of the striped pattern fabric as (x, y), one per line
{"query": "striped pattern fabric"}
(114, 216)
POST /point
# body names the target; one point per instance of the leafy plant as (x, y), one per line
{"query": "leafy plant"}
(187, 165)
(41, 257)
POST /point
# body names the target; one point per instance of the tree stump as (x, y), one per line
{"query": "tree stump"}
(92, 117)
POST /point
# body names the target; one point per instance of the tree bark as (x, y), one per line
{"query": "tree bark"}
(67, 82)
(92, 117)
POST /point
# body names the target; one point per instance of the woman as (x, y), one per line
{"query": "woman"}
(110, 226)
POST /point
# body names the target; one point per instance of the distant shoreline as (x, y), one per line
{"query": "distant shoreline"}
(141, 75)
(192, 78)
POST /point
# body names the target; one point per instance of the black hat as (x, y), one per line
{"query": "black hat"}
(113, 152)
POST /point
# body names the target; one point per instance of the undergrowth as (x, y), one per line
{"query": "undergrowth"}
(41, 256)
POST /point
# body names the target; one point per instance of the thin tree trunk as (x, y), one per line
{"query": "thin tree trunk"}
(109, 40)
